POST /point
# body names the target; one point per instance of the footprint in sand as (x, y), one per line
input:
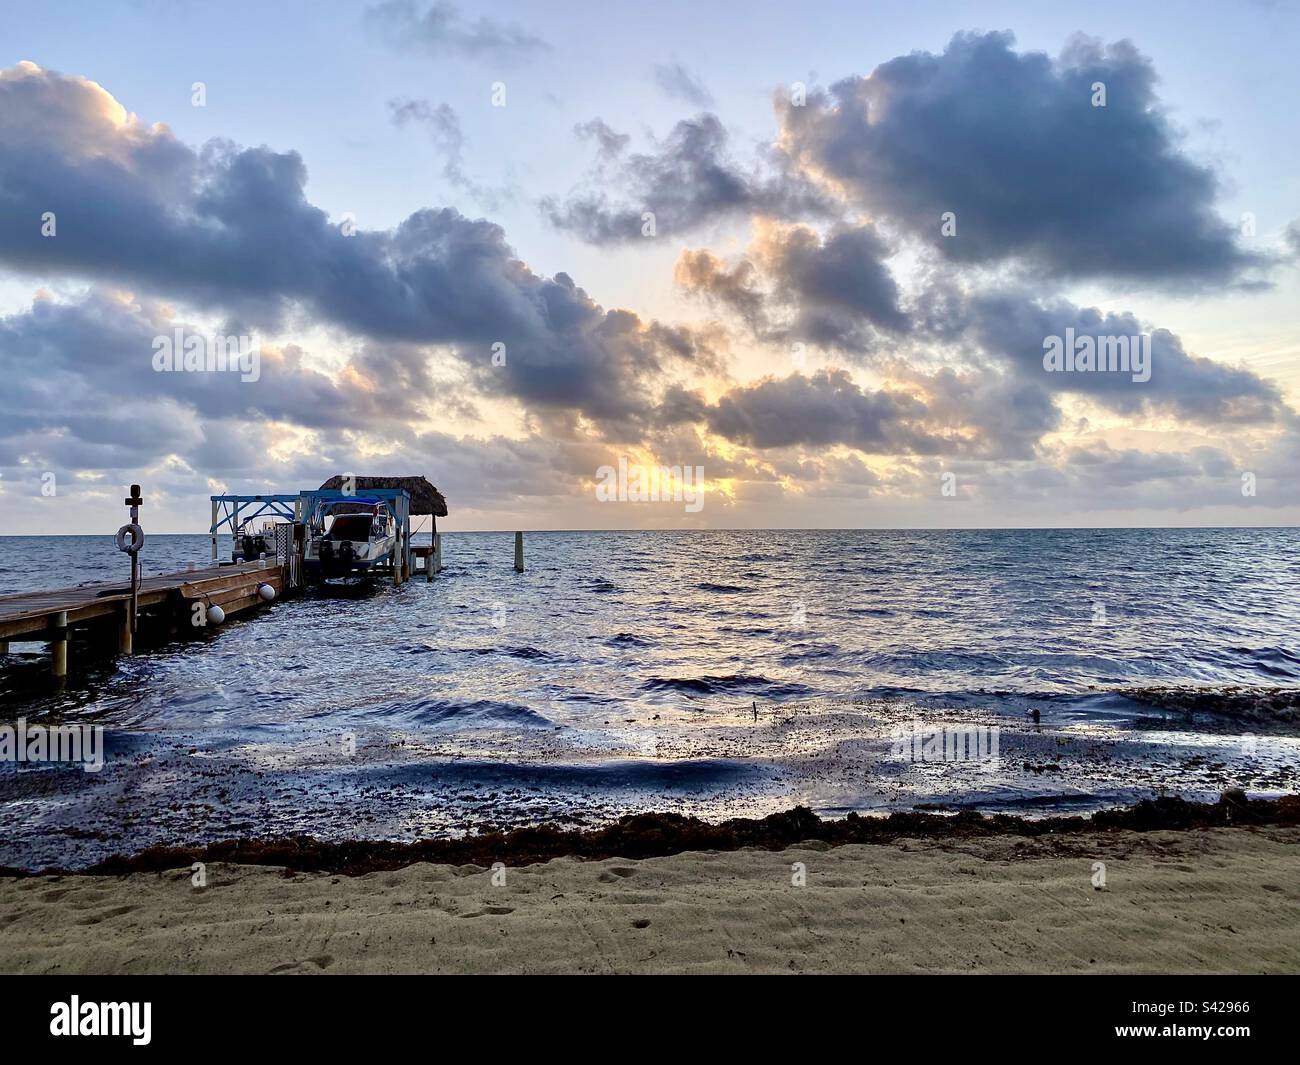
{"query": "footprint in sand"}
(116, 911)
(495, 911)
(321, 961)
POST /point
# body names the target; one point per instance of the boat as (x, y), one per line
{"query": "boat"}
(251, 545)
(349, 538)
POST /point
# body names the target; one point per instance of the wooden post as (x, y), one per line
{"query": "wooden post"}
(59, 644)
(135, 500)
(4, 647)
(125, 638)
(214, 530)
(437, 552)
(519, 552)
(397, 559)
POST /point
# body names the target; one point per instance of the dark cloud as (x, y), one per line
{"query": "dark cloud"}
(682, 84)
(833, 291)
(736, 287)
(997, 415)
(836, 283)
(822, 410)
(439, 30)
(1012, 328)
(1011, 143)
(231, 229)
(688, 181)
(91, 362)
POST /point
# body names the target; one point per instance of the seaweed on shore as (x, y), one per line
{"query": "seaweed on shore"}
(1268, 709)
(656, 835)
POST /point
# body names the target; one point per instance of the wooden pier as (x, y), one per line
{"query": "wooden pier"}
(167, 601)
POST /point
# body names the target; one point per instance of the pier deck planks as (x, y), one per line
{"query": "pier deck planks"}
(28, 614)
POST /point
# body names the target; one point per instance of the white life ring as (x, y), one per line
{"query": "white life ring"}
(137, 538)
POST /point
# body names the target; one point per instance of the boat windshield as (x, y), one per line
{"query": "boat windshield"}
(351, 527)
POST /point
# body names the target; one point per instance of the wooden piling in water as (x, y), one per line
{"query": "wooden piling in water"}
(519, 552)
(125, 637)
(437, 552)
(59, 644)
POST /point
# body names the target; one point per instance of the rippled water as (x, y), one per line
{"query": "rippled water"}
(625, 670)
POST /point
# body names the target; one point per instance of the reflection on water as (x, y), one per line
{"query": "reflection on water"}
(618, 649)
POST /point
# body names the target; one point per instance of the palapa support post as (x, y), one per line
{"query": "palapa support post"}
(437, 552)
(519, 552)
(59, 644)
(4, 647)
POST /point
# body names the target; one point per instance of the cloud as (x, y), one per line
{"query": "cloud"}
(610, 144)
(690, 180)
(833, 291)
(438, 30)
(442, 125)
(439, 313)
(230, 229)
(681, 84)
(74, 360)
(1011, 143)
(824, 409)
(1011, 327)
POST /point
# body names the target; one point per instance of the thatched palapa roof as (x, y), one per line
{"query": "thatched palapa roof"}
(425, 499)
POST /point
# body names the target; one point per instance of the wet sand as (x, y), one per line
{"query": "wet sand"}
(1189, 900)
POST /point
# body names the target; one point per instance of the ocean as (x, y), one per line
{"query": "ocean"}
(719, 674)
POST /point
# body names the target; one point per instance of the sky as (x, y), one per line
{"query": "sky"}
(808, 257)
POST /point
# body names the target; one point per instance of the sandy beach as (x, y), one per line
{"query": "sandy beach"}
(1203, 900)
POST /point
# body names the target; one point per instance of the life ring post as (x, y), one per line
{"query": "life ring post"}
(135, 501)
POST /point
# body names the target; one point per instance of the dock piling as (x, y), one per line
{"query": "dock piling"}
(59, 644)
(125, 637)
(519, 552)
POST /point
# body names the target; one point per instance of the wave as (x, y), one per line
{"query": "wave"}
(1273, 661)
(627, 639)
(722, 685)
(436, 713)
(726, 589)
(529, 653)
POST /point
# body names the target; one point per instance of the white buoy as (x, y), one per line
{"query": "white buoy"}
(216, 615)
(266, 592)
